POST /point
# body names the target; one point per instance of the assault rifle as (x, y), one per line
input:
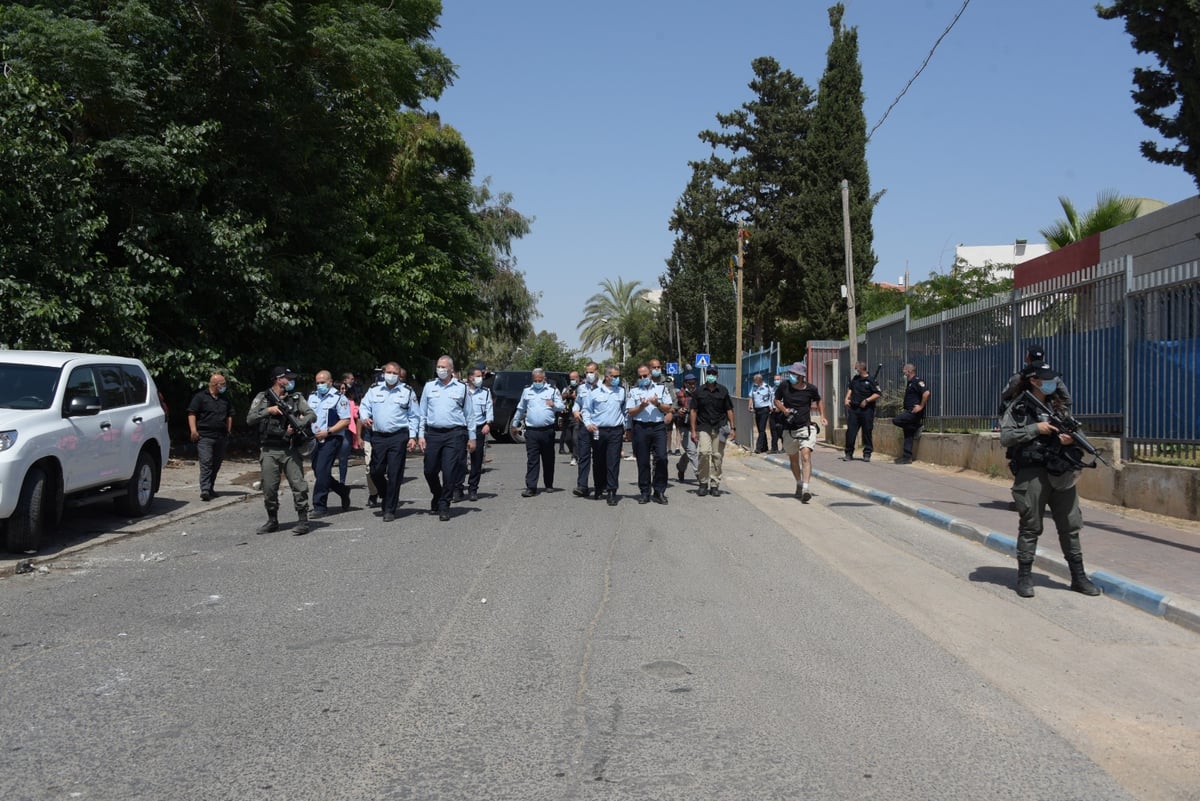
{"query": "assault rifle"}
(302, 436)
(1067, 425)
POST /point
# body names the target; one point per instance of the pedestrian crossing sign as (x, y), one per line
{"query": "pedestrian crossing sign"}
(672, 368)
(703, 360)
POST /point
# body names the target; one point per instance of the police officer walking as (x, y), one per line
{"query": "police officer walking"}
(604, 416)
(861, 396)
(329, 433)
(537, 410)
(481, 405)
(762, 399)
(1045, 463)
(445, 410)
(210, 419)
(583, 437)
(389, 413)
(910, 421)
(280, 414)
(647, 407)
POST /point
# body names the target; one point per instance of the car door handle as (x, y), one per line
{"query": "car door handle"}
(137, 420)
(105, 426)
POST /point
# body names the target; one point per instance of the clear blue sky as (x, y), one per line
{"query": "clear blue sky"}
(588, 113)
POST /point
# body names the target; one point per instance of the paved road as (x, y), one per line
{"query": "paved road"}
(745, 647)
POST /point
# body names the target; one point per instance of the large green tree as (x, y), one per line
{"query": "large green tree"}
(248, 183)
(1168, 98)
(1111, 210)
(757, 167)
(836, 151)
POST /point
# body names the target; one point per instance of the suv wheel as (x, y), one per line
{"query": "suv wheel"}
(516, 434)
(139, 493)
(29, 519)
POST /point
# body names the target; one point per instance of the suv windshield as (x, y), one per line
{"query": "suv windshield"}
(25, 386)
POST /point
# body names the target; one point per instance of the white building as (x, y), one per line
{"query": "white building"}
(1000, 255)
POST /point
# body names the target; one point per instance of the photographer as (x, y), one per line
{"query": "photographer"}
(794, 399)
(1045, 461)
(282, 417)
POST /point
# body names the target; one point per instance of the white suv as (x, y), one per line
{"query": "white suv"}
(75, 428)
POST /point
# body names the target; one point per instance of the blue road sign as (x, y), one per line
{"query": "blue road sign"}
(702, 360)
(672, 368)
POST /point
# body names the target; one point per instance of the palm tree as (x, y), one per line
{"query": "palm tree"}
(611, 318)
(1111, 210)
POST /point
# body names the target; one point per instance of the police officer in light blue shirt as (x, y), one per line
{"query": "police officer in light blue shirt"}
(444, 434)
(583, 438)
(762, 400)
(538, 409)
(604, 416)
(481, 405)
(389, 412)
(647, 407)
(329, 432)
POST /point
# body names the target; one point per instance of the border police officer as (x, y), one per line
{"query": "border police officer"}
(280, 453)
(861, 394)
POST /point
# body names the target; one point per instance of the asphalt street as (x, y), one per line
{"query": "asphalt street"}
(555, 648)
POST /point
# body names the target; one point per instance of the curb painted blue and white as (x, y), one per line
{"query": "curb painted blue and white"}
(1177, 609)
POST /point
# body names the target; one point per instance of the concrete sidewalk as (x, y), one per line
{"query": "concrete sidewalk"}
(1149, 561)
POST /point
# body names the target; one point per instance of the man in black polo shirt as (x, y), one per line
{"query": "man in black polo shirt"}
(210, 418)
(712, 409)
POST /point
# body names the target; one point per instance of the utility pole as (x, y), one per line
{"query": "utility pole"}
(849, 274)
(706, 350)
(743, 235)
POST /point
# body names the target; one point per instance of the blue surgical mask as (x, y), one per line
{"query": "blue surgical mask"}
(1049, 385)
(793, 378)
(644, 383)
(221, 390)
(322, 389)
(290, 386)
(656, 373)
(574, 382)
(538, 386)
(615, 382)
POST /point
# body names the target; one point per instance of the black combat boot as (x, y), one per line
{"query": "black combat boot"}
(1025, 578)
(272, 524)
(301, 527)
(1079, 581)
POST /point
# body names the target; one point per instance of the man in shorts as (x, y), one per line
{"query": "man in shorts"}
(794, 399)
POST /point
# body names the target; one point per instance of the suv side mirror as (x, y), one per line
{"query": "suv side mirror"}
(83, 406)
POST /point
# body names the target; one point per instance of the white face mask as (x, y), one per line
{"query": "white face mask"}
(477, 381)
(391, 379)
(591, 378)
(443, 373)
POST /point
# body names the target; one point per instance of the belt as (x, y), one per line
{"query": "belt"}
(441, 430)
(538, 428)
(389, 433)
(648, 422)
(610, 428)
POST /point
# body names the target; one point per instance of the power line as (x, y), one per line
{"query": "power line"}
(920, 69)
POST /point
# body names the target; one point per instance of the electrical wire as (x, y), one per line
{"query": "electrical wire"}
(920, 69)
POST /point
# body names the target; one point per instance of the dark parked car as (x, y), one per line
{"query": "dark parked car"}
(507, 386)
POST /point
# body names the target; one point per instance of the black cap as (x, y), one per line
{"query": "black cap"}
(1036, 354)
(712, 370)
(284, 372)
(1041, 371)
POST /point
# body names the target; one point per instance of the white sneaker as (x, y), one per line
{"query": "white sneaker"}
(629, 458)
(573, 462)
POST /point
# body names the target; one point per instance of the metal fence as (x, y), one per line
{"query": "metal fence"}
(765, 361)
(1128, 348)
